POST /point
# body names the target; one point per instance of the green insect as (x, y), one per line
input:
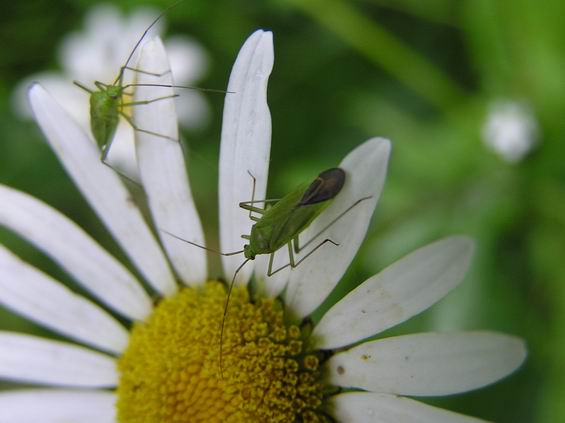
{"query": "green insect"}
(283, 222)
(107, 100)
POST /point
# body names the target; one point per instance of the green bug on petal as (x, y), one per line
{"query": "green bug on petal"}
(283, 222)
(107, 102)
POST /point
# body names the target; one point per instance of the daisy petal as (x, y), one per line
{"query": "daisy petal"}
(102, 188)
(162, 167)
(57, 406)
(399, 292)
(429, 363)
(312, 281)
(31, 359)
(368, 407)
(68, 245)
(40, 298)
(246, 145)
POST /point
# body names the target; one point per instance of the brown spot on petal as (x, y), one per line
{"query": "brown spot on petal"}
(340, 370)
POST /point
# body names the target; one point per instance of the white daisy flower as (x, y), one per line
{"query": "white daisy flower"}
(277, 367)
(510, 130)
(97, 53)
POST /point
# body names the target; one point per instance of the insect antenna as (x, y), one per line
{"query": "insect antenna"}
(163, 13)
(226, 313)
(233, 253)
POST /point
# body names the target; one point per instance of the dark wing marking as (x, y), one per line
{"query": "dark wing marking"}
(325, 187)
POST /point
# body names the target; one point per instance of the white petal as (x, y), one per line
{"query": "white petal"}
(428, 363)
(312, 281)
(73, 99)
(162, 168)
(402, 290)
(246, 145)
(57, 406)
(31, 359)
(102, 188)
(40, 298)
(368, 407)
(77, 253)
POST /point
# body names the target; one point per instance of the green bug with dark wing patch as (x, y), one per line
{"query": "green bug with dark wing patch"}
(283, 222)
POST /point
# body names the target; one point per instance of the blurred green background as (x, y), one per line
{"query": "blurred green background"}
(425, 75)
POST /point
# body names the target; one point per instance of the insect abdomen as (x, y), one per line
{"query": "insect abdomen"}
(104, 117)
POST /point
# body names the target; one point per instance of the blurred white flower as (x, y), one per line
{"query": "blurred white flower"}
(97, 53)
(511, 130)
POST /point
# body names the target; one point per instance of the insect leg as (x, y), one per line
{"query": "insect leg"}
(291, 255)
(271, 260)
(135, 127)
(296, 243)
(339, 216)
(252, 195)
(157, 74)
(104, 156)
(100, 85)
(137, 103)
(294, 264)
(85, 88)
(123, 175)
(245, 206)
(187, 87)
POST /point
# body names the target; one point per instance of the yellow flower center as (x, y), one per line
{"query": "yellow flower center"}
(170, 371)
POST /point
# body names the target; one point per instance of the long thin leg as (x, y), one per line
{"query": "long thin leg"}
(296, 244)
(104, 156)
(135, 127)
(269, 200)
(339, 216)
(123, 175)
(293, 264)
(245, 205)
(186, 87)
(291, 255)
(252, 194)
(100, 85)
(123, 68)
(271, 260)
(84, 87)
(137, 103)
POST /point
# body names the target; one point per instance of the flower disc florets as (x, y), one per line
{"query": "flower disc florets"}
(170, 371)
